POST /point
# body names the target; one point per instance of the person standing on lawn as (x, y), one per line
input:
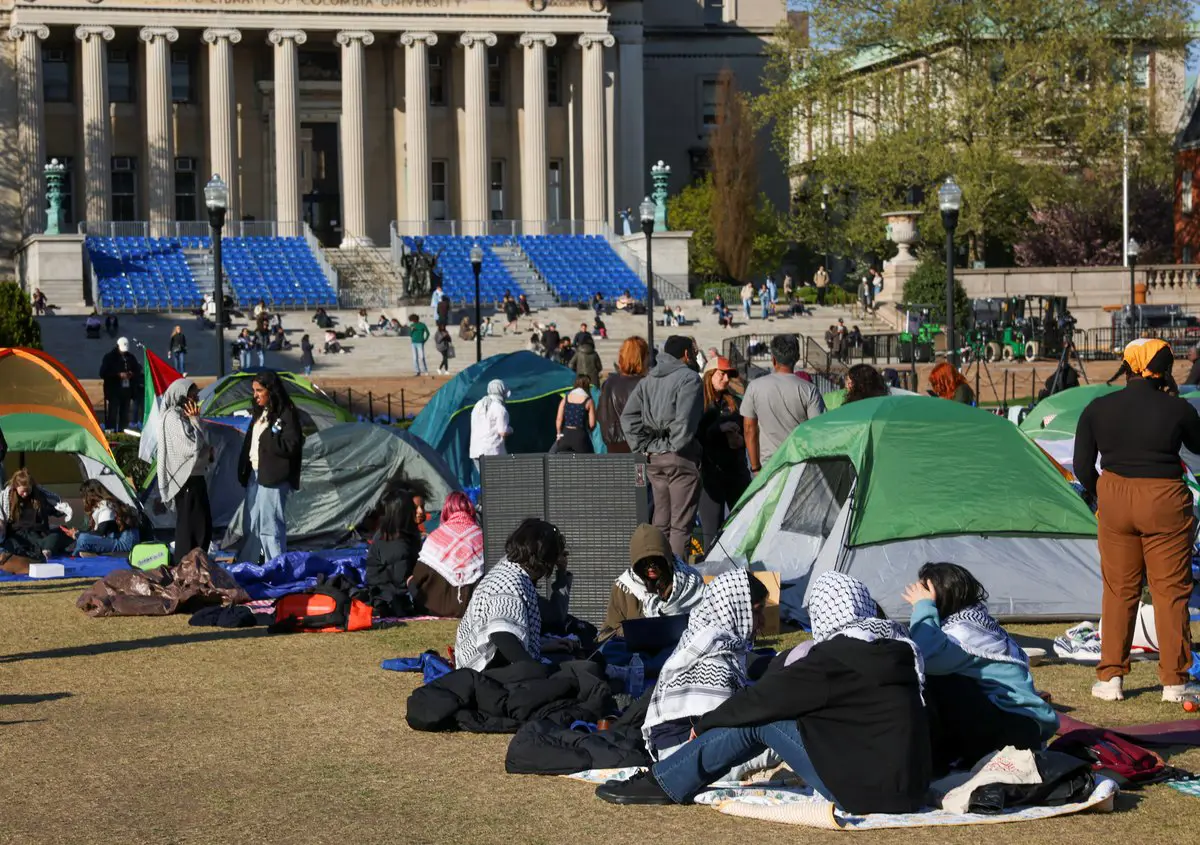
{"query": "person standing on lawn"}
(418, 333)
(1145, 513)
(775, 404)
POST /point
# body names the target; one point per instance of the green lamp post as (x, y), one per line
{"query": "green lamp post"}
(55, 172)
(660, 173)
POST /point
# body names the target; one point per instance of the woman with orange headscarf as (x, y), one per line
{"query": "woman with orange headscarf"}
(946, 382)
(1145, 513)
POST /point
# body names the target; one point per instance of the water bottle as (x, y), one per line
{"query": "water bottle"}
(635, 681)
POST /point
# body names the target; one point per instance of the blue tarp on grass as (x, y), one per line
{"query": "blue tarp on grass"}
(76, 567)
(295, 572)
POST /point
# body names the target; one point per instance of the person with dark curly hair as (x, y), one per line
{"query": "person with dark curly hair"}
(864, 382)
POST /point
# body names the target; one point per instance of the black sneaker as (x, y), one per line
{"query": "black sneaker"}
(639, 789)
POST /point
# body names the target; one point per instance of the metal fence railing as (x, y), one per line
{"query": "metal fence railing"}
(190, 229)
(371, 406)
(1106, 344)
(504, 228)
(750, 354)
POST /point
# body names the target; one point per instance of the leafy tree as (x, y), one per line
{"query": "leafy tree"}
(17, 326)
(927, 286)
(691, 210)
(1015, 99)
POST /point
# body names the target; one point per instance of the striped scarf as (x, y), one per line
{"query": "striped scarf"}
(505, 602)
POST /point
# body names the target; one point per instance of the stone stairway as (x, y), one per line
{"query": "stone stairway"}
(199, 262)
(366, 277)
(536, 290)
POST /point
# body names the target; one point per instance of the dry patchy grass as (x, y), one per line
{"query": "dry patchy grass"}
(149, 731)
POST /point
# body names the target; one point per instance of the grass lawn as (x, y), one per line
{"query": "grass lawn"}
(149, 731)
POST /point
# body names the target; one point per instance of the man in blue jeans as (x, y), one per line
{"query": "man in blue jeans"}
(418, 333)
(846, 715)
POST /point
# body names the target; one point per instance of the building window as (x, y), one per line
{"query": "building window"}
(124, 189)
(121, 87)
(437, 189)
(68, 189)
(1141, 69)
(710, 96)
(1187, 255)
(554, 75)
(714, 11)
(495, 77)
(554, 194)
(437, 80)
(56, 76)
(186, 205)
(181, 77)
(1185, 192)
(497, 189)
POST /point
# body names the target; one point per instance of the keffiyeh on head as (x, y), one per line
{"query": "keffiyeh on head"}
(505, 602)
(840, 605)
(978, 634)
(709, 664)
(455, 548)
(687, 589)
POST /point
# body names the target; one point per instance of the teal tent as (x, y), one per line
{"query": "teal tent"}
(536, 385)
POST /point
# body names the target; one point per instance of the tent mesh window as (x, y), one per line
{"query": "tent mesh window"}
(821, 493)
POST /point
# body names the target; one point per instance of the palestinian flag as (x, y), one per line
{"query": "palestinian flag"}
(157, 376)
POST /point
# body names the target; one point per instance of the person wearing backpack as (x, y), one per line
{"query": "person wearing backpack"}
(978, 685)
(418, 333)
(269, 465)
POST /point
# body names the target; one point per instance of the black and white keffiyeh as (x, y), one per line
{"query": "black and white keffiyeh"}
(840, 605)
(687, 589)
(978, 634)
(505, 602)
(709, 664)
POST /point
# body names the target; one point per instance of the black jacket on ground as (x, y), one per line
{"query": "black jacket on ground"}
(278, 453)
(501, 700)
(1137, 433)
(544, 748)
(859, 710)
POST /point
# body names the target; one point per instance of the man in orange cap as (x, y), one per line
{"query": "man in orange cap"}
(1145, 512)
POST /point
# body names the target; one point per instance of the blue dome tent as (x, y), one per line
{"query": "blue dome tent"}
(536, 385)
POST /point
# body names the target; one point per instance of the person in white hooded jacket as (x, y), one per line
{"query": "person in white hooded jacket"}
(490, 423)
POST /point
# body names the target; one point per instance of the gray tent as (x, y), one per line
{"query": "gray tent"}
(344, 472)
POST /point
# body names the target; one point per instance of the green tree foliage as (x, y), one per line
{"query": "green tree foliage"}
(17, 326)
(927, 286)
(734, 154)
(691, 210)
(1015, 99)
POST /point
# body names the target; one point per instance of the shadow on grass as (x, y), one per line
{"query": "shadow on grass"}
(33, 698)
(94, 649)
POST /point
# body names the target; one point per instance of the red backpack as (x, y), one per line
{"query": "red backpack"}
(1115, 757)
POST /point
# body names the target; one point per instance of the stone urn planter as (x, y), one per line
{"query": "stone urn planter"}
(903, 232)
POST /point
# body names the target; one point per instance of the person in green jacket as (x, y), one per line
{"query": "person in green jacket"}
(418, 332)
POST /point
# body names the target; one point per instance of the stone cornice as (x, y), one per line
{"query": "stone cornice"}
(214, 34)
(86, 32)
(343, 38)
(531, 38)
(278, 36)
(409, 39)
(39, 31)
(471, 39)
(149, 33)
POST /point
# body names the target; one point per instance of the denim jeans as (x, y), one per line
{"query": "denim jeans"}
(307, 371)
(177, 361)
(266, 507)
(746, 304)
(709, 756)
(262, 357)
(245, 359)
(100, 545)
(419, 365)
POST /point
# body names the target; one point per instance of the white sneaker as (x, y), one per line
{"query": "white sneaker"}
(1177, 692)
(1111, 690)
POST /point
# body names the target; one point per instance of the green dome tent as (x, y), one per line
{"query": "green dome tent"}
(882, 486)
(1056, 417)
(234, 394)
(536, 385)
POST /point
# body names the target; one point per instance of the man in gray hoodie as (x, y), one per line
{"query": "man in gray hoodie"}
(660, 419)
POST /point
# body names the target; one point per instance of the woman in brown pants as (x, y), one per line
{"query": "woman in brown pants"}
(1145, 512)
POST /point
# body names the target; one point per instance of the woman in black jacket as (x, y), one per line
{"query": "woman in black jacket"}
(846, 715)
(269, 467)
(633, 362)
(724, 472)
(393, 553)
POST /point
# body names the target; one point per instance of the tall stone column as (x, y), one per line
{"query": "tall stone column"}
(160, 146)
(595, 177)
(31, 127)
(534, 170)
(474, 174)
(222, 112)
(631, 129)
(288, 212)
(353, 152)
(416, 127)
(97, 159)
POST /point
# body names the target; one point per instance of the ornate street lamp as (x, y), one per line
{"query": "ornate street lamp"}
(950, 201)
(477, 268)
(216, 198)
(647, 210)
(1131, 250)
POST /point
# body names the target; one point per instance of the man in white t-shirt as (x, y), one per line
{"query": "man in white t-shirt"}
(775, 404)
(489, 423)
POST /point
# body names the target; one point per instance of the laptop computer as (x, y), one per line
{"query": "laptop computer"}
(655, 634)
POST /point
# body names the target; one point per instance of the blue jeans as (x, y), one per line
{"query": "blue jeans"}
(746, 304)
(307, 371)
(99, 545)
(765, 307)
(265, 507)
(419, 364)
(245, 359)
(709, 756)
(177, 361)
(262, 357)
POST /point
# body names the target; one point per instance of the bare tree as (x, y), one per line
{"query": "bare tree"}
(735, 179)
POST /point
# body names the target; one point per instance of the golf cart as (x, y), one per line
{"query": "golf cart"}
(917, 338)
(981, 338)
(1032, 327)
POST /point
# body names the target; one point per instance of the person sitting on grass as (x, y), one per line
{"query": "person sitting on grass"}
(451, 561)
(979, 688)
(503, 622)
(392, 557)
(114, 525)
(709, 664)
(25, 513)
(848, 717)
(656, 583)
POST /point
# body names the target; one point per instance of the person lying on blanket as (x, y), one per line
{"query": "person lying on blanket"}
(503, 622)
(710, 663)
(979, 688)
(848, 718)
(656, 583)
